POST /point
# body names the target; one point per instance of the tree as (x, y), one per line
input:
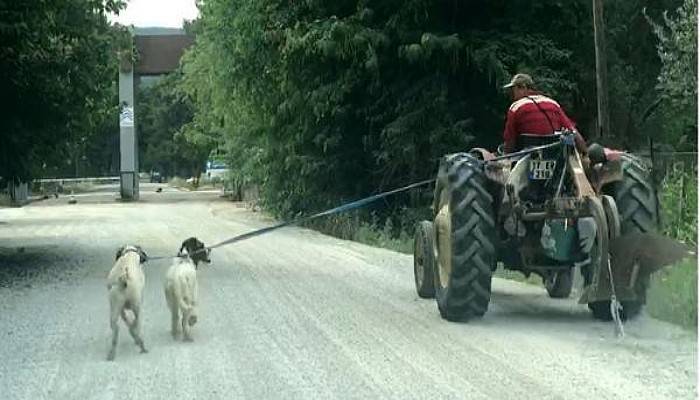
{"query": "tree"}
(58, 66)
(677, 80)
(324, 101)
(335, 100)
(164, 111)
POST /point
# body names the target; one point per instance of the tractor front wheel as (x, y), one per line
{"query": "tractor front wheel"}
(424, 259)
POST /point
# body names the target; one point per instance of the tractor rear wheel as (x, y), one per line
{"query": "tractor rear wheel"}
(637, 205)
(465, 238)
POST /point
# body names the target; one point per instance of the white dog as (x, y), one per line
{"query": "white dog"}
(125, 283)
(181, 287)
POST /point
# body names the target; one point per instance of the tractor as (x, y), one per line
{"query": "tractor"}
(544, 209)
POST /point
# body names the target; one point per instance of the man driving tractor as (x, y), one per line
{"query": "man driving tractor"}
(534, 113)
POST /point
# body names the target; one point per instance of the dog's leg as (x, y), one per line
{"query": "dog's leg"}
(175, 323)
(186, 328)
(114, 324)
(192, 316)
(125, 318)
(174, 312)
(135, 329)
(189, 314)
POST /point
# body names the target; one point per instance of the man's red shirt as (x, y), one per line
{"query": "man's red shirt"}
(524, 116)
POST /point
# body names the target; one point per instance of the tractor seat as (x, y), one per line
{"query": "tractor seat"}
(525, 140)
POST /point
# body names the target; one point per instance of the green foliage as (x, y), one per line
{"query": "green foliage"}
(679, 199)
(633, 67)
(677, 80)
(324, 102)
(57, 64)
(320, 103)
(165, 144)
(673, 294)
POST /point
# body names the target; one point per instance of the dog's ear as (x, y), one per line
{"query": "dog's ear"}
(120, 251)
(203, 255)
(187, 244)
(142, 255)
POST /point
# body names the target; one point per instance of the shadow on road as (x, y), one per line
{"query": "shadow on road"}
(28, 266)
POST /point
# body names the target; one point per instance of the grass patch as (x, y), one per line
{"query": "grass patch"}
(353, 227)
(679, 213)
(5, 201)
(373, 235)
(673, 295)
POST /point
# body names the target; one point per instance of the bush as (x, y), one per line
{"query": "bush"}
(679, 199)
(673, 293)
(5, 200)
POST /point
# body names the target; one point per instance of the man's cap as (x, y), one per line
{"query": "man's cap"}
(520, 80)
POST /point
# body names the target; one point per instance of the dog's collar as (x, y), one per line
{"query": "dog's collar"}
(131, 249)
(187, 256)
(142, 256)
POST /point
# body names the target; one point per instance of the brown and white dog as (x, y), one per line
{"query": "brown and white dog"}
(181, 287)
(125, 283)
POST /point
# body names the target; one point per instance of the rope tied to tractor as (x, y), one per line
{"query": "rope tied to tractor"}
(351, 205)
(336, 210)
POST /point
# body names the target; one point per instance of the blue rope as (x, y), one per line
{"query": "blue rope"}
(337, 210)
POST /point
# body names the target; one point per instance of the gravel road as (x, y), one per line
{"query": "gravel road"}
(292, 315)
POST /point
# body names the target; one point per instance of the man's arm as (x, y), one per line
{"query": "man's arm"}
(510, 133)
(581, 145)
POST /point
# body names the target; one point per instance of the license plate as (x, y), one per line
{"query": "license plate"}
(542, 169)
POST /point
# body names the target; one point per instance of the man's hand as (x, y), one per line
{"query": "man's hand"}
(508, 147)
(580, 143)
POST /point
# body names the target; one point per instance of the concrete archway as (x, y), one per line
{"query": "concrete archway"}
(157, 55)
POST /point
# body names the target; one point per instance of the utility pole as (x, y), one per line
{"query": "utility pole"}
(601, 68)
